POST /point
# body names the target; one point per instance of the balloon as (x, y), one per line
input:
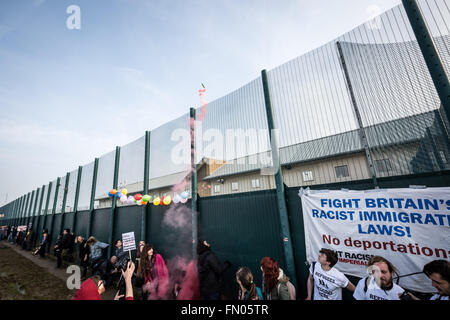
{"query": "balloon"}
(144, 203)
(113, 191)
(123, 198)
(138, 196)
(118, 195)
(176, 198)
(109, 194)
(167, 200)
(185, 194)
(183, 200)
(139, 203)
(130, 200)
(156, 201)
(146, 198)
(124, 191)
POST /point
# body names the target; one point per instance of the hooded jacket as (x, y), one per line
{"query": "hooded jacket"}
(157, 288)
(280, 291)
(87, 291)
(210, 270)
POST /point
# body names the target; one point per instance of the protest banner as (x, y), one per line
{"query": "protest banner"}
(409, 227)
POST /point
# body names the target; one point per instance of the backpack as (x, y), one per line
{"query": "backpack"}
(291, 290)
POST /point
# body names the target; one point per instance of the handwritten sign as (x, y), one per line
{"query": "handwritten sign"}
(128, 241)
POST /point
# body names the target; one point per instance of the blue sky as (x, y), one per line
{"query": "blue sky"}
(68, 96)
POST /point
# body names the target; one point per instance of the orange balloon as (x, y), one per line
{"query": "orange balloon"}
(113, 191)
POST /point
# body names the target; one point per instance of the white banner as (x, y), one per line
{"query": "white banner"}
(408, 227)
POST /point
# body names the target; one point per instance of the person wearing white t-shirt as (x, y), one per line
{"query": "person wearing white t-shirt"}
(326, 280)
(379, 285)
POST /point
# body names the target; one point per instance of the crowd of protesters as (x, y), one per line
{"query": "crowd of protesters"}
(149, 275)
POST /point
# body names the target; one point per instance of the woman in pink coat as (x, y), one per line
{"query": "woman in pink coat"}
(153, 275)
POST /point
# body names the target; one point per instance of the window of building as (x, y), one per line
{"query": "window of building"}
(234, 186)
(217, 188)
(308, 176)
(383, 165)
(341, 171)
(255, 183)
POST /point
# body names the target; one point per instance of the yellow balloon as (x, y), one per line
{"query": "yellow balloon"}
(156, 201)
(167, 200)
(124, 191)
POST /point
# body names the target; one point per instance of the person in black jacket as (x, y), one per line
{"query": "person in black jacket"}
(120, 254)
(57, 249)
(210, 271)
(68, 243)
(109, 271)
(84, 252)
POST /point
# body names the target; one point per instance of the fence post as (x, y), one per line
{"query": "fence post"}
(75, 204)
(113, 208)
(25, 207)
(430, 53)
(47, 202)
(16, 214)
(38, 190)
(19, 212)
(30, 209)
(63, 209)
(145, 209)
(25, 212)
(15, 211)
(91, 206)
(32, 203)
(281, 197)
(38, 232)
(362, 133)
(33, 212)
(55, 200)
(194, 197)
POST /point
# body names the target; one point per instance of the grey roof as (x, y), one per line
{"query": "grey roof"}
(399, 131)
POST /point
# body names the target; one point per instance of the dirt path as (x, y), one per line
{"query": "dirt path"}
(27, 277)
